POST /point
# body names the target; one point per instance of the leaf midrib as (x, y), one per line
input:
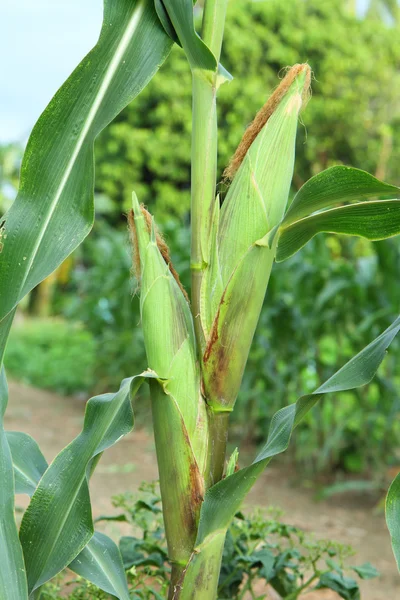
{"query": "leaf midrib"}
(108, 77)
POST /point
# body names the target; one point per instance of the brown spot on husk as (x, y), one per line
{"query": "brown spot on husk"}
(264, 114)
(161, 244)
(196, 487)
(212, 339)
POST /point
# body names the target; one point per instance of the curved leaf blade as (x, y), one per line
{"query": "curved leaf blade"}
(336, 186)
(100, 563)
(28, 462)
(5, 326)
(54, 209)
(392, 510)
(372, 220)
(198, 54)
(13, 584)
(223, 500)
(58, 523)
(165, 20)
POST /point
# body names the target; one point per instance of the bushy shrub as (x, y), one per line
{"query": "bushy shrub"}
(53, 354)
(260, 549)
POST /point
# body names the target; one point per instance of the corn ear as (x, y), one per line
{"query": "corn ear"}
(241, 245)
(179, 411)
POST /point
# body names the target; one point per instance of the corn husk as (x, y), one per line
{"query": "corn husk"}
(179, 411)
(242, 245)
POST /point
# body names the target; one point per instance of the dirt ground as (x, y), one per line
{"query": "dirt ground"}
(54, 421)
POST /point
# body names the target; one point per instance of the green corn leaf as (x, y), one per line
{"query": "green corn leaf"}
(13, 584)
(58, 524)
(166, 21)
(393, 516)
(180, 13)
(334, 187)
(54, 209)
(5, 326)
(223, 500)
(100, 563)
(372, 220)
(28, 461)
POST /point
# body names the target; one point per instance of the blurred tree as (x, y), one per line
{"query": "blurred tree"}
(10, 162)
(386, 9)
(353, 118)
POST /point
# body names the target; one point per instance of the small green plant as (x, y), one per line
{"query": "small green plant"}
(52, 354)
(259, 550)
(196, 349)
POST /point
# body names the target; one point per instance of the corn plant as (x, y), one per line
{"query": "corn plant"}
(196, 350)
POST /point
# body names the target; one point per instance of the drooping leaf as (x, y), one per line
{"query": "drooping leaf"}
(13, 584)
(372, 220)
(198, 54)
(165, 20)
(366, 571)
(334, 187)
(58, 524)
(224, 499)
(28, 462)
(346, 587)
(393, 516)
(54, 210)
(100, 563)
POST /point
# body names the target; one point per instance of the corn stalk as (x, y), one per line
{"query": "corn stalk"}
(196, 350)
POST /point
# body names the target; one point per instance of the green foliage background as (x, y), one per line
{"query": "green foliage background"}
(353, 118)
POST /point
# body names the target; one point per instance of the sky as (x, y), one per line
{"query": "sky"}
(41, 42)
